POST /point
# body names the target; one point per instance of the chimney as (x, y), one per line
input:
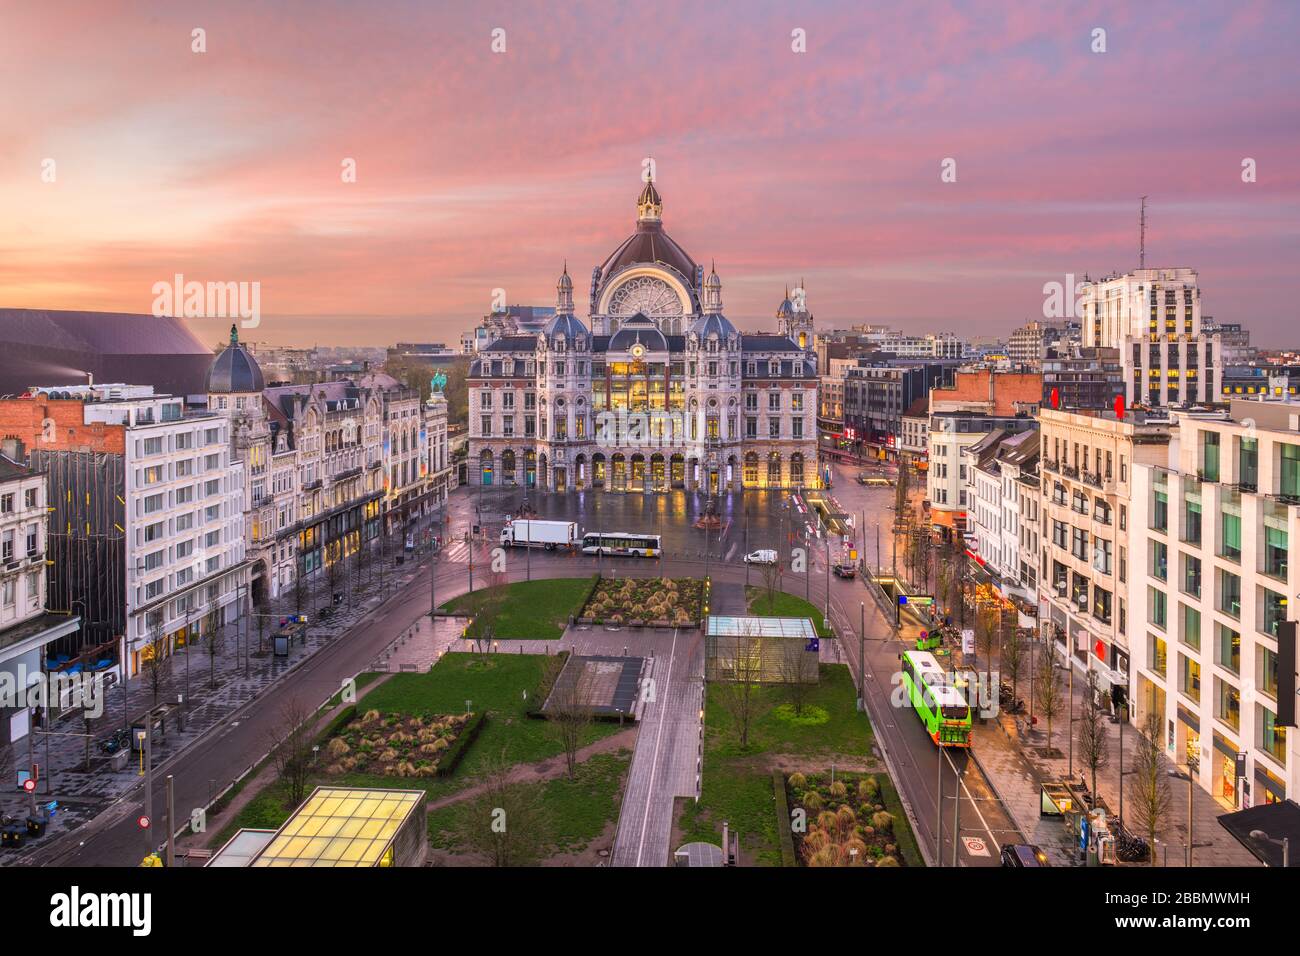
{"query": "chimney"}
(12, 448)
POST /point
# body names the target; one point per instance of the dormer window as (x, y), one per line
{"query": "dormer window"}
(773, 368)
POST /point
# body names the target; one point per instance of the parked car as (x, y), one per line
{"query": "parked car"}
(763, 556)
(1023, 855)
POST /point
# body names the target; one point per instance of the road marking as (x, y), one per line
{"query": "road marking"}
(654, 764)
(969, 796)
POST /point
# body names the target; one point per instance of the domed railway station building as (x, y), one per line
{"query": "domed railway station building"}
(658, 392)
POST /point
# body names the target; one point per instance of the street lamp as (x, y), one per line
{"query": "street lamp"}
(1285, 843)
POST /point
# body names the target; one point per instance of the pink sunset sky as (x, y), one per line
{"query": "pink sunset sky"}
(478, 170)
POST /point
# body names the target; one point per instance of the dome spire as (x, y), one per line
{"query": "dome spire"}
(712, 303)
(564, 292)
(649, 205)
(234, 334)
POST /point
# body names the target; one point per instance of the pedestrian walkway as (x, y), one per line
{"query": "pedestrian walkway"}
(420, 646)
(205, 690)
(1013, 759)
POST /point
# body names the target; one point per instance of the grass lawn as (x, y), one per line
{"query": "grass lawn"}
(574, 812)
(493, 682)
(737, 785)
(363, 680)
(783, 605)
(533, 610)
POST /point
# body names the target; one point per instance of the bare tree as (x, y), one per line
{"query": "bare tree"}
(771, 582)
(1150, 797)
(569, 710)
(485, 606)
(1012, 659)
(1048, 690)
(1094, 744)
(291, 753)
(334, 569)
(261, 610)
(742, 696)
(508, 823)
(155, 663)
(796, 672)
(987, 625)
(215, 641)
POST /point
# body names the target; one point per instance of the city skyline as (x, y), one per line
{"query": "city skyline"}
(823, 166)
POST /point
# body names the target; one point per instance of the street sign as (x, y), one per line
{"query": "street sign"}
(29, 785)
(921, 600)
(975, 846)
(142, 821)
(968, 640)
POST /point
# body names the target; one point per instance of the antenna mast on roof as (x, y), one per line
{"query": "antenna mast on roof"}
(1142, 236)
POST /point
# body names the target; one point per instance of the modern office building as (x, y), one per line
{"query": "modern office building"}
(877, 393)
(1085, 379)
(1212, 581)
(146, 534)
(1153, 316)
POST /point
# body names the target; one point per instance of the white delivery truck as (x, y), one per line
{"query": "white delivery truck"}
(530, 533)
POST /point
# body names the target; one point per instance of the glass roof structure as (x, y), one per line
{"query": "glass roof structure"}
(761, 627)
(241, 848)
(341, 826)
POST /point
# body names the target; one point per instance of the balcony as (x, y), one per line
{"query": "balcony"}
(1049, 465)
(1070, 472)
(1092, 478)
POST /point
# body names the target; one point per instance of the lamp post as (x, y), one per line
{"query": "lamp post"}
(1191, 792)
(862, 661)
(1123, 719)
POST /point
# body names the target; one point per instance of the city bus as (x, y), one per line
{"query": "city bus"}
(941, 706)
(621, 542)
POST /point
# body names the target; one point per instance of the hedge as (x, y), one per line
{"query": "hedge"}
(903, 835)
(455, 753)
(788, 857)
(544, 689)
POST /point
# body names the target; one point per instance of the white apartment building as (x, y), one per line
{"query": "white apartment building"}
(1153, 316)
(437, 464)
(185, 552)
(983, 492)
(1212, 581)
(1086, 472)
(26, 628)
(994, 466)
(914, 438)
(1017, 463)
(1029, 495)
(948, 483)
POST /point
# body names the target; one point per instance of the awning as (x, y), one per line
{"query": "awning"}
(1277, 820)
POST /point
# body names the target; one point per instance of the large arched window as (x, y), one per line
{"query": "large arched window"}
(774, 470)
(796, 469)
(508, 467)
(485, 467)
(751, 468)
